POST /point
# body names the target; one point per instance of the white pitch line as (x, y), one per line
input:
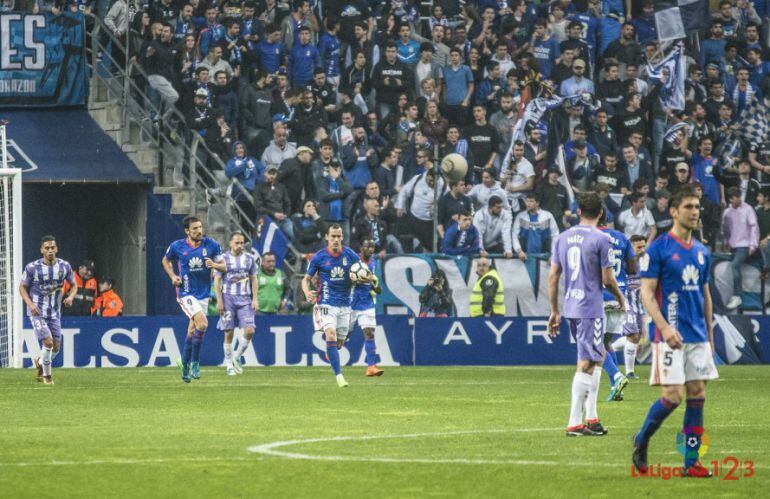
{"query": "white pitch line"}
(90, 462)
(271, 449)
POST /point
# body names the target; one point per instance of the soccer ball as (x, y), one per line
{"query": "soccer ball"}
(359, 272)
(454, 167)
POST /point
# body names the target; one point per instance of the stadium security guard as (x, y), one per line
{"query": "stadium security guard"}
(108, 303)
(88, 289)
(487, 294)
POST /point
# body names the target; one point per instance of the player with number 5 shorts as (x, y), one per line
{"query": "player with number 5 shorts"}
(675, 292)
(362, 305)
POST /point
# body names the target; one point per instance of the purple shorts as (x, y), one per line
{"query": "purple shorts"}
(238, 312)
(46, 328)
(589, 336)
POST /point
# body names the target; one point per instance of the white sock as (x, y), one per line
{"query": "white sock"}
(617, 376)
(618, 344)
(243, 344)
(590, 404)
(228, 349)
(581, 386)
(629, 356)
(46, 361)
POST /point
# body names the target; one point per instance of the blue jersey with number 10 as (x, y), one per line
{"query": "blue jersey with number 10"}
(621, 253)
(190, 264)
(333, 271)
(681, 270)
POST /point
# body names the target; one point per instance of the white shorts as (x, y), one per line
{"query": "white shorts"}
(614, 319)
(692, 362)
(326, 316)
(364, 318)
(191, 305)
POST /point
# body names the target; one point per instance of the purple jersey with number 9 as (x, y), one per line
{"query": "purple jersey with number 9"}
(582, 252)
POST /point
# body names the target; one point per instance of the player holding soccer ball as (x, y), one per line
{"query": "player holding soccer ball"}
(585, 254)
(331, 313)
(194, 256)
(236, 291)
(41, 289)
(362, 304)
(675, 292)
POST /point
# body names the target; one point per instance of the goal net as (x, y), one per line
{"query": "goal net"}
(11, 304)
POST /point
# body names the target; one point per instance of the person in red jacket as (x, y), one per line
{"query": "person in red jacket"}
(108, 303)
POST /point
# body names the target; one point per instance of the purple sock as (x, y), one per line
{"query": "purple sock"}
(371, 352)
(197, 341)
(658, 413)
(693, 430)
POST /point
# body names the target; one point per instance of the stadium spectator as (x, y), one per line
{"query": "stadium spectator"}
(292, 26)
(637, 220)
(371, 226)
(740, 235)
(554, 197)
(108, 303)
(248, 172)
(272, 199)
(255, 112)
(634, 167)
(391, 77)
(494, 226)
(436, 297)
(280, 149)
(309, 228)
(303, 59)
(419, 193)
(533, 229)
(272, 286)
(517, 178)
(88, 290)
(297, 175)
(704, 166)
(614, 177)
(487, 294)
(225, 99)
(451, 204)
(749, 187)
(426, 68)
(434, 126)
(334, 196)
(458, 87)
(577, 83)
(581, 168)
(661, 214)
(489, 186)
(763, 223)
(159, 60)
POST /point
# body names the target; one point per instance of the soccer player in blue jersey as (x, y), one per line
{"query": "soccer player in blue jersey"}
(362, 306)
(193, 257)
(41, 289)
(675, 292)
(331, 312)
(622, 263)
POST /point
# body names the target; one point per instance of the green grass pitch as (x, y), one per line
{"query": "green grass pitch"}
(415, 432)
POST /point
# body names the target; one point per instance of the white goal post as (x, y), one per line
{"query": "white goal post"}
(11, 266)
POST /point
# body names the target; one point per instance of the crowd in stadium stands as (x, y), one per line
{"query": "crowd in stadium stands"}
(338, 111)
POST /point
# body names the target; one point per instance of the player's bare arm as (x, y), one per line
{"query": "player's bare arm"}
(218, 292)
(708, 308)
(169, 268)
(310, 295)
(254, 295)
(71, 294)
(553, 297)
(220, 265)
(670, 334)
(30, 304)
(609, 281)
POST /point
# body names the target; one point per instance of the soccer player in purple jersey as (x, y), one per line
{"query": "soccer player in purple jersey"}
(331, 313)
(675, 292)
(632, 328)
(236, 291)
(585, 255)
(194, 257)
(41, 289)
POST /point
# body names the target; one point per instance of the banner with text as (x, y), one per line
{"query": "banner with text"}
(280, 340)
(42, 59)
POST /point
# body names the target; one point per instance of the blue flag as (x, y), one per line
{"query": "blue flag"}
(675, 19)
(274, 240)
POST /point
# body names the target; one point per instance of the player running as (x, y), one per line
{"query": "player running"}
(632, 328)
(194, 258)
(585, 255)
(675, 292)
(41, 289)
(623, 262)
(331, 312)
(236, 291)
(362, 305)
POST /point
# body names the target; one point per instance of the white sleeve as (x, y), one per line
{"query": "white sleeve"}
(478, 222)
(406, 192)
(507, 228)
(516, 230)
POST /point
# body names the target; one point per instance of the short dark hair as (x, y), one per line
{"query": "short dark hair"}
(638, 184)
(189, 220)
(494, 201)
(455, 49)
(636, 196)
(47, 239)
(637, 237)
(590, 205)
(464, 213)
(237, 233)
(685, 191)
(305, 28)
(333, 226)
(733, 192)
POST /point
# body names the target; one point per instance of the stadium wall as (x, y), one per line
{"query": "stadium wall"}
(289, 340)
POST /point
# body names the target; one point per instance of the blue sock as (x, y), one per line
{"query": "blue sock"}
(658, 413)
(693, 430)
(187, 350)
(371, 352)
(334, 356)
(610, 365)
(197, 341)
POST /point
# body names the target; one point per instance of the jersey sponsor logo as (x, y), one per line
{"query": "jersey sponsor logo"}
(337, 273)
(195, 263)
(690, 277)
(673, 301)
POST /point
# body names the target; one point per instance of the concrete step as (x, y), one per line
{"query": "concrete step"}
(180, 199)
